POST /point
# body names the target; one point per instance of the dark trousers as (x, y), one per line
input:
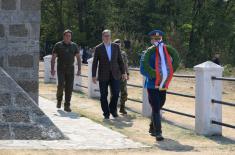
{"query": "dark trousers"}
(157, 100)
(115, 89)
(65, 83)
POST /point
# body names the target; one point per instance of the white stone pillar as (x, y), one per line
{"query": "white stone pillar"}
(48, 78)
(146, 108)
(206, 90)
(77, 79)
(93, 89)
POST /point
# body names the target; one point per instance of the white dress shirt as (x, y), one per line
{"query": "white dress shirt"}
(108, 50)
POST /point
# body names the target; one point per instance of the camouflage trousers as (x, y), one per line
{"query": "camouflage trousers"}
(123, 90)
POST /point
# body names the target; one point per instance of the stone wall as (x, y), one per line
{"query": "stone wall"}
(19, 42)
(20, 116)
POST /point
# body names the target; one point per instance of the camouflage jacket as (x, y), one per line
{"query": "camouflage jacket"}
(125, 60)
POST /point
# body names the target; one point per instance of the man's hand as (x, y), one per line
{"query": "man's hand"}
(78, 72)
(79, 64)
(53, 72)
(124, 76)
(128, 77)
(94, 80)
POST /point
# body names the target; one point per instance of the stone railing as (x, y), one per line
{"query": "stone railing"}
(206, 90)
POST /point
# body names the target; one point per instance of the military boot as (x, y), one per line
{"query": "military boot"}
(123, 109)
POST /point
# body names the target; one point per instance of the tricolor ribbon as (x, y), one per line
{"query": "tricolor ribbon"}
(163, 66)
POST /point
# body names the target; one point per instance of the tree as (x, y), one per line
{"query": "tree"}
(197, 28)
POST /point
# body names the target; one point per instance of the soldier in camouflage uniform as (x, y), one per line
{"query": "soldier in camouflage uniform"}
(65, 51)
(123, 83)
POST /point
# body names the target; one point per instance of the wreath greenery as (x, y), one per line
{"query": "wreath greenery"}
(172, 52)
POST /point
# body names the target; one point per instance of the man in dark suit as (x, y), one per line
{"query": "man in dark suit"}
(110, 71)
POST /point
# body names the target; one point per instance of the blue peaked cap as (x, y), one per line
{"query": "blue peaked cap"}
(156, 33)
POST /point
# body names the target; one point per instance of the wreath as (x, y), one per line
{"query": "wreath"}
(172, 52)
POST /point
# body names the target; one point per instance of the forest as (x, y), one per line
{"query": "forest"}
(198, 29)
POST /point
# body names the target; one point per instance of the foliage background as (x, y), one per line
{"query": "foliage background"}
(196, 28)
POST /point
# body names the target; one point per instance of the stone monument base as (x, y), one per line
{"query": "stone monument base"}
(20, 116)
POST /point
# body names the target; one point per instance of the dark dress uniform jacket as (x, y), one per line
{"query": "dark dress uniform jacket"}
(115, 66)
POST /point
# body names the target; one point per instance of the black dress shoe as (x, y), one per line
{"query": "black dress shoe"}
(115, 115)
(159, 137)
(106, 117)
(67, 109)
(58, 105)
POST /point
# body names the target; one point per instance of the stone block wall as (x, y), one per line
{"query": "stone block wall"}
(20, 116)
(19, 42)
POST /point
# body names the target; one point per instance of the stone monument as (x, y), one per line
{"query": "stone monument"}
(20, 117)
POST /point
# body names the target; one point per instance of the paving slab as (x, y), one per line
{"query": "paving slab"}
(81, 133)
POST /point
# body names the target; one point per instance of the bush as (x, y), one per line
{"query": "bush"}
(228, 70)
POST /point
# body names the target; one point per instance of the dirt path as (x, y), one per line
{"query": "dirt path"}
(151, 151)
(181, 104)
(178, 139)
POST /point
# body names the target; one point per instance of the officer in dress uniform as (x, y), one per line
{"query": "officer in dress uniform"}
(160, 61)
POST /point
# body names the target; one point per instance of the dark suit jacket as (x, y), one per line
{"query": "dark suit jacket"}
(115, 66)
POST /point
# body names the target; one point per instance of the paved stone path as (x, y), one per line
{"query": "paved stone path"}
(82, 133)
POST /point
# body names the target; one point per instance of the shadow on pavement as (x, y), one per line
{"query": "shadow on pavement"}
(173, 145)
(71, 115)
(121, 122)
